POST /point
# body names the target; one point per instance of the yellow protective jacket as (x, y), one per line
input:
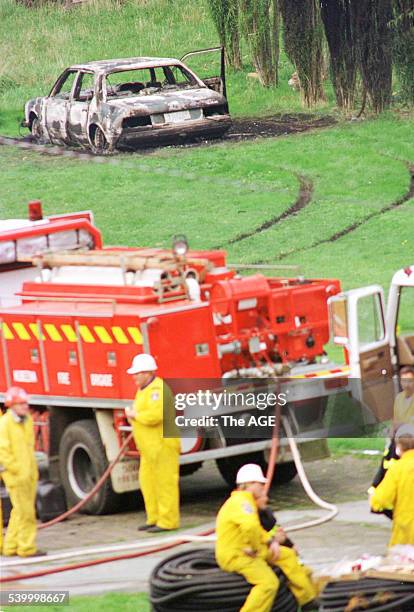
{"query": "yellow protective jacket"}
(238, 528)
(154, 418)
(17, 451)
(395, 493)
(403, 408)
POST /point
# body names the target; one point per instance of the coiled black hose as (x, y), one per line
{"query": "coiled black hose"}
(372, 594)
(191, 581)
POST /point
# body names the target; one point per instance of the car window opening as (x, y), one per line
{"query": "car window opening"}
(147, 81)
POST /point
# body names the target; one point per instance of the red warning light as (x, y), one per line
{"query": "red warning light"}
(35, 210)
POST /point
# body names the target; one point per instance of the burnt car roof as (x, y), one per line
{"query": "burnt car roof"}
(111, 65)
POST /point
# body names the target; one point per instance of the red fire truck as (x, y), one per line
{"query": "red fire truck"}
(74, 313)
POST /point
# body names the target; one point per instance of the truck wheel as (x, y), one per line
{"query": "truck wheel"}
(229, 466)
(82, 461)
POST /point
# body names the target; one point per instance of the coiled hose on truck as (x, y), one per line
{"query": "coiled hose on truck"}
(372, 594)
(192, 580)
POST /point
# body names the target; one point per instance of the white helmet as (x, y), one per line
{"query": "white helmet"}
(250, 473)
(142, 363)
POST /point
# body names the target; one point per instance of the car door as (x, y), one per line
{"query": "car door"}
(79, 107)
(358, 323)
(218, 82)
(57, 106)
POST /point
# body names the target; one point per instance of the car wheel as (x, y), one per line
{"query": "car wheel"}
(36, 128)
(100, 145)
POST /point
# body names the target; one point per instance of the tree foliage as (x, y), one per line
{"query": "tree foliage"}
(403, 46)
(339, 31)
(225, 14)
(371, 23)
(303, 37)
(260, 24)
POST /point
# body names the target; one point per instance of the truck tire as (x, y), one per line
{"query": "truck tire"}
(82, 461)
(229, 466)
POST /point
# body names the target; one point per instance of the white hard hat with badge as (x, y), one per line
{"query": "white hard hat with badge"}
(251, 472)
(142, 363)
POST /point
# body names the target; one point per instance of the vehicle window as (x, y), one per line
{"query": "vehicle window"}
(146, 81)
(65, 86)
(85, 87)
(406, 312)
(370, 320)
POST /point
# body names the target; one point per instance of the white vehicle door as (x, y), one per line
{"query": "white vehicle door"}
(216, 82)
(79, 107)
(358, 324)
(57, 106)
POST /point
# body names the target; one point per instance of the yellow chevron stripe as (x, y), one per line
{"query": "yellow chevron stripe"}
(7, 332)
(103, 334)
(86, 334)
(119, 335)
(34, 328)
(21, 331)
(135, 335)
(69, 332)
(53, 332)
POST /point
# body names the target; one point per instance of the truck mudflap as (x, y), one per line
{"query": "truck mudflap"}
(124, 476)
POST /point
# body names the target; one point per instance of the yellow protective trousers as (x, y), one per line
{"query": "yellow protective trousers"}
(298, 576)
(21, 531)
(265, 583)
(159, 483)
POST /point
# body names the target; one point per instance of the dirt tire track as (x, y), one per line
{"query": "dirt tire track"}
(354, 226)
(304, 198)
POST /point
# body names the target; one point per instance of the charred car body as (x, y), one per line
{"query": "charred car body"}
(109, 104)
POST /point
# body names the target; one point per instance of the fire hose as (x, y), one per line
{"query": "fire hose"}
(191, 580)
(179, 540)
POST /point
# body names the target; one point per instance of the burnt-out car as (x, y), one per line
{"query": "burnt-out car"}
(114, 104)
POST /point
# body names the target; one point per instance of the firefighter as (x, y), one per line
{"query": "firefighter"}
(403, 414)
(244, 547)
(20, 474)
(395, 492)
(404, 402)
(152, 418)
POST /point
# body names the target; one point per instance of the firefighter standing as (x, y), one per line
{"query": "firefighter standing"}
(244, 547)
(395, 492)
(159, 456)
(20, 474)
